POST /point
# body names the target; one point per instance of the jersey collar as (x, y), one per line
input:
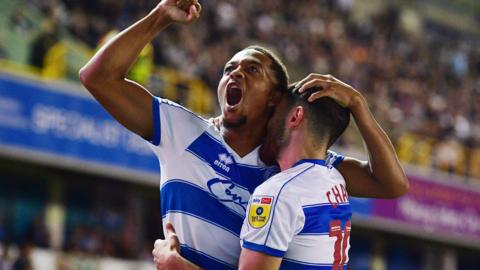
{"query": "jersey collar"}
(320, 162)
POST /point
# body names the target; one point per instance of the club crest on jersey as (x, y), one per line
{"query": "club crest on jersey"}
(259, 211)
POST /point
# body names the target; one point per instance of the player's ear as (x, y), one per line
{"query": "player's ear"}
(296, 116)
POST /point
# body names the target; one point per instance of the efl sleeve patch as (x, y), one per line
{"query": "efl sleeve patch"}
(259, 211)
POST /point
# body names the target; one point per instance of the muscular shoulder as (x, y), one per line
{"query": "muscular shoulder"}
(172, 120)
(178, 111)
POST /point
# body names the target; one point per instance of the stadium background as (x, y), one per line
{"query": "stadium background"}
(78, 191)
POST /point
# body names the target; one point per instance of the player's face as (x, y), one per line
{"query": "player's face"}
(246, 90)
(276, 134)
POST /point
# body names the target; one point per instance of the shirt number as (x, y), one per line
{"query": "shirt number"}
(341, 243)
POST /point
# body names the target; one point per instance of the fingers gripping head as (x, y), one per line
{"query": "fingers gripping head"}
(327, 119)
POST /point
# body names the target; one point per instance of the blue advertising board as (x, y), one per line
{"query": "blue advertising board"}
(36, 117)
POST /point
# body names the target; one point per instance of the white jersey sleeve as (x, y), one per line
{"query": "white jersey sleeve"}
(272, 221)
(175, 127)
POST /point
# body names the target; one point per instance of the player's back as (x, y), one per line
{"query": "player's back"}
(303, 215)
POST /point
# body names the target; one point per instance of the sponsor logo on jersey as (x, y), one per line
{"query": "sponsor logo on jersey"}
(266, 200)
(230, 194)
(223, 161)
(259, 211)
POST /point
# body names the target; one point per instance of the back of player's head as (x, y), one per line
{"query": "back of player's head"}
(278, 67)
(326, 119)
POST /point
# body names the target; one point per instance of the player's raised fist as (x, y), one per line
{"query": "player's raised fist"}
(181, 11)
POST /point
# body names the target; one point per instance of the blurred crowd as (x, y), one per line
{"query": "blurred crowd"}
(84, 239)
(421, 79)
(110, 219)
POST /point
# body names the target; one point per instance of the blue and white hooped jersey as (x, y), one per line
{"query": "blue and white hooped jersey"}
(302, 215)
(205, 186)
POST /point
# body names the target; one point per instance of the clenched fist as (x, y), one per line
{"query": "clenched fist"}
(181, 11)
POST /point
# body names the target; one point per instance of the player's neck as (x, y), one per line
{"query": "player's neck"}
(300, 146)
(245, 139)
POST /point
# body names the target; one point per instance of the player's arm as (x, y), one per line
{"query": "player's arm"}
(105, 74)
(253, 260)
(265, 236)
(382, 176)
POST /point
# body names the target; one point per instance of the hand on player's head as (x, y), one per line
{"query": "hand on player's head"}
(331, 87)
(181, 11)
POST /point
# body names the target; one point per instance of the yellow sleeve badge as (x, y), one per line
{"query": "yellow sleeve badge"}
(259, 211)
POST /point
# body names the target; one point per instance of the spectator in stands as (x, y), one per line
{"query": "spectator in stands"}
(37, 233)
(448, 156)
(19, 22)
(6, 262)
(3, 230)
(41, 44)
(3, 51)
(23, 261)
(143, 67)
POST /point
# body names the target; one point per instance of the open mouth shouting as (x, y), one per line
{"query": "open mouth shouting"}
(234, 96)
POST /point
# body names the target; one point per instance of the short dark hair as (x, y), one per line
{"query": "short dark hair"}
(327, 120)
(278, 67)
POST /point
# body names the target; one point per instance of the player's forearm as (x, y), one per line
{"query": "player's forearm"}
(252, 260)
(104, 75)
(115, 58)
(179, 263)
(384, 164)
